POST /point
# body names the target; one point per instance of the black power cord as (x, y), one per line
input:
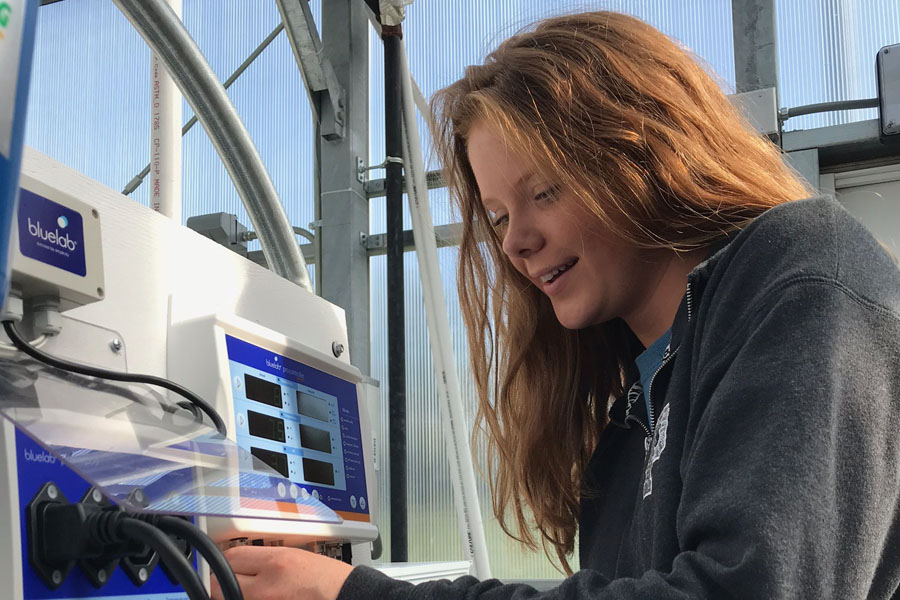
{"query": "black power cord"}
(168, 553)
(194, 536)
(22, 344)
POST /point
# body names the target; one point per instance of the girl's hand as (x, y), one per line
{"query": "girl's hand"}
(273, 573)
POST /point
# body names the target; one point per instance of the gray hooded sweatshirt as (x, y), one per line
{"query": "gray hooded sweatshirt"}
(773, 467)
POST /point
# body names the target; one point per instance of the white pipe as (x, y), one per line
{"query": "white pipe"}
(453, 416)
(165, 136)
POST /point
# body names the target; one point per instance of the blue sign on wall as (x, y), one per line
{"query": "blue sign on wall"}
(51, 233)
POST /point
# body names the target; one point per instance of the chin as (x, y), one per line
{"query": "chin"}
(573, 320)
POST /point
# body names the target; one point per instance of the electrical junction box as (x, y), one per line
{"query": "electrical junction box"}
(888, 68)
(55, 246)
(26, 467)
(298, 410)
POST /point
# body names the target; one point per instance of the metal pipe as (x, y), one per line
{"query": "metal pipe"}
(393, 103)
(786, 113)
(453, 413)
(138, 179)
(165, 136)
(166, 35)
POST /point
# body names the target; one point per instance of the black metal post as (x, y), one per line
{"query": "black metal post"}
(393, 107)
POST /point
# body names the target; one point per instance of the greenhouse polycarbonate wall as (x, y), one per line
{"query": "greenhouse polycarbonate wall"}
(90, 110)
(90, 101)
(826, 52)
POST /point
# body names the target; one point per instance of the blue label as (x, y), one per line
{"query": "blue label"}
(51, 233)
(37, 466)
(301, 402)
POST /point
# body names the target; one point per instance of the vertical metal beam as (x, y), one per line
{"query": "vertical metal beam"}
(755, 55)
(343, 271)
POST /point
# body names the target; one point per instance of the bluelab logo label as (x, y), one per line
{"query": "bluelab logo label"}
(273, 364)
(52, 237)
(39, 457)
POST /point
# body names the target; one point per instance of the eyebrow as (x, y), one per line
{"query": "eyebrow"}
(523, 179)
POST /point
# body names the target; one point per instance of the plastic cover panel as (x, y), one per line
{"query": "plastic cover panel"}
(144, 451)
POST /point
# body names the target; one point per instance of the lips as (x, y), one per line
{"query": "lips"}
(552, 274)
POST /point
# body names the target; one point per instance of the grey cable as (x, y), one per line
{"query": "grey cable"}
(809, 109)
(167, 37)
(138, 179)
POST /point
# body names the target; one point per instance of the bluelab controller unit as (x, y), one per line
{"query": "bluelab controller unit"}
(295, 409)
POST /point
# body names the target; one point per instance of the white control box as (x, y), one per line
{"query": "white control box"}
(55, 246)
(300, 411)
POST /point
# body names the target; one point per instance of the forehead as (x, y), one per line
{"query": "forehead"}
(498, 166)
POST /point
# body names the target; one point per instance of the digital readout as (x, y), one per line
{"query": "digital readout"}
(276, 460)
(263, 391)
(315, 439)
(317, 471)
(265, 426)
(312, 407)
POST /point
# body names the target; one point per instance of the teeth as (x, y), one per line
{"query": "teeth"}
(555, 272)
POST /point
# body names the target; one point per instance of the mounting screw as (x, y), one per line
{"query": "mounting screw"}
(56, 576)
(96, 495)
(337, 348)
(52, 492)
(142, 574)
(116, 345)
(101, 576)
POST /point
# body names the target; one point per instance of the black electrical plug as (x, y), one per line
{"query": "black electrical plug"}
(61, 533)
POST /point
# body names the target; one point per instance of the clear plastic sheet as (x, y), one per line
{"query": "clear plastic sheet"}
(146, 451)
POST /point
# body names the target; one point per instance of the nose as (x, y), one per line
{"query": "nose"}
(522, 237)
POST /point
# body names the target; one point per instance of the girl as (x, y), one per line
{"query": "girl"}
(677, 356)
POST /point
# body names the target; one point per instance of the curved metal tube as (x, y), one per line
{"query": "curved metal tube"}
(167, 37)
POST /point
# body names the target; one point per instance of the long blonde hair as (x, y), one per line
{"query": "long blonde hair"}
(625, 119)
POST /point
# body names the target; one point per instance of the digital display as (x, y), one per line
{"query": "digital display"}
(315, 438)
(312, 407)
(276, 460)
(265, 426)
(263, 391)
(316, 471)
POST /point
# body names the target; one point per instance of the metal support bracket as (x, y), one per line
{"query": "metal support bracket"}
(326, 95)
(362, 170)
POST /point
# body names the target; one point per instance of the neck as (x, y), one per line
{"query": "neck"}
(650, 320)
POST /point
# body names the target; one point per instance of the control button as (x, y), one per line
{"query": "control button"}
(282, 491)
(238, 383)
(362, 503)
(304, 494)
(353, 501)
(315, 494)
(295, 491)
(241, 419)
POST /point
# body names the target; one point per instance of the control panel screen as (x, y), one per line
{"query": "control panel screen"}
(302, 422)
(276, 460)
(262, 391)
(312, 407)
(264, 426)
(315, 438)
(317, 471)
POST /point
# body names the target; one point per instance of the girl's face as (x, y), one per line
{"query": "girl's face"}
(589, 274)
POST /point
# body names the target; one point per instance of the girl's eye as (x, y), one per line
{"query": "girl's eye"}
(501, 220)
(548, 194)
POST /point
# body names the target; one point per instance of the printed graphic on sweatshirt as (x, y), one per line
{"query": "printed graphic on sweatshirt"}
(659, 444)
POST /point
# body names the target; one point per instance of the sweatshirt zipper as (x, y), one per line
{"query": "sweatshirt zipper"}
(667, 357)
(690, 301)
